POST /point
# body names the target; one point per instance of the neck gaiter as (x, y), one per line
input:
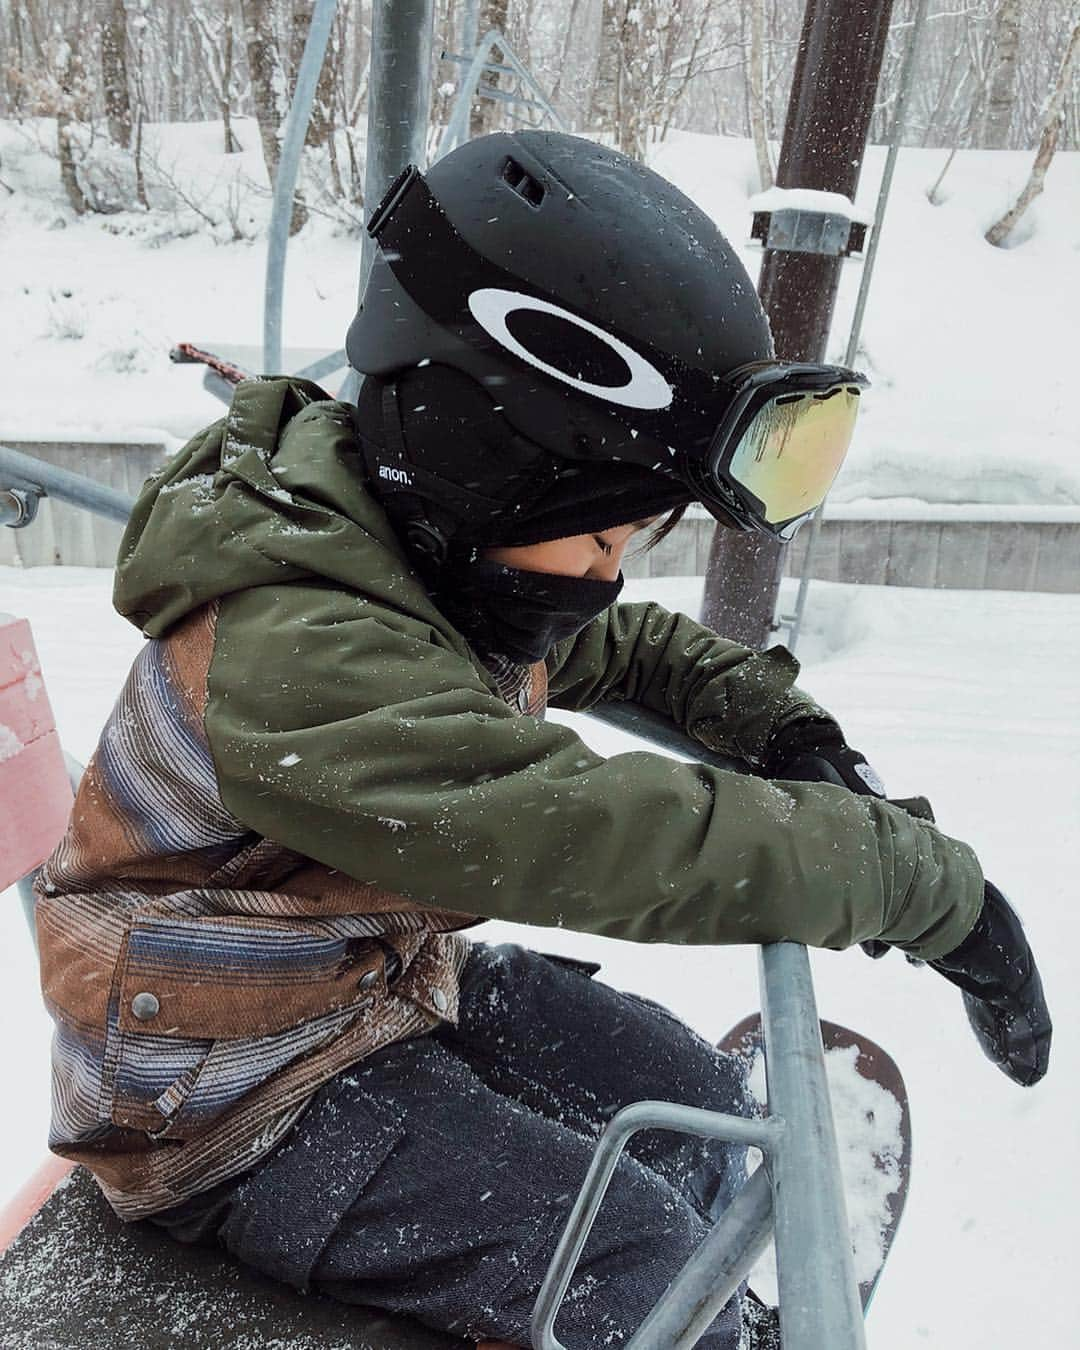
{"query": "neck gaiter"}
(520, 614)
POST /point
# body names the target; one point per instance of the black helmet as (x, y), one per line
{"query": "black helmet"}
(606, 316)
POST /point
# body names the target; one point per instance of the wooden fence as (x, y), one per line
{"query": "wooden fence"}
(962, 547)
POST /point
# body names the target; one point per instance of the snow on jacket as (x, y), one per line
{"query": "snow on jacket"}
(310, 773)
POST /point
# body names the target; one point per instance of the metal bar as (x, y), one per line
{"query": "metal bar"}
(24, 471)
(805, 577)
(455, 133)
(399, 109)
(692, 1301)
(492, 68)
(640, 721)
(470, 31)
(12, 507)
(527, 77)
(819, 1296)
(399, 101)
(325, 365)
(505, 96)
(763, 1134)
(296, 126)
(907, 80)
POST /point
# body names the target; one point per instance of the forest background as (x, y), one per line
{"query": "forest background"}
(89, 79)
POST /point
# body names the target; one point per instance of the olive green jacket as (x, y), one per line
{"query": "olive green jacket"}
(351, 722)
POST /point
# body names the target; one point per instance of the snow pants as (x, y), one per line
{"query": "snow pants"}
(435, 1177)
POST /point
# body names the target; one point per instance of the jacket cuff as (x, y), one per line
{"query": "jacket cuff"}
(762, 699)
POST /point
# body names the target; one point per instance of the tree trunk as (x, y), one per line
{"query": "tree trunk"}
(112, 24)
(264, 67)
(140, 177)
(604, 106)
(829, 112)
(758, 128)
(1055, 115)
(484, 116)
(68, 175)
(232, 145)
(1003, 77)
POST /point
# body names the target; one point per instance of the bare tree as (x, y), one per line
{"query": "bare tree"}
(756, 94)
(1004, 72)
(112, 26)
(215, 31)
(267, 78)
(1048, 142)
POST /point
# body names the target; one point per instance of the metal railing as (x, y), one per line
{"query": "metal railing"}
(799, 1184)
(24, 480)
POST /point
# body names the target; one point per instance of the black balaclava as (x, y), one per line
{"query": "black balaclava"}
(508, 611)
(455, 477)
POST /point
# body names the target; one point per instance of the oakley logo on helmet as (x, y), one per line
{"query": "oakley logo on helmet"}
(640, 384)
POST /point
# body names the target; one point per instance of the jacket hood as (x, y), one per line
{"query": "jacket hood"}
(274, 493)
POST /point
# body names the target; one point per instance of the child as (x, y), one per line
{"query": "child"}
(330, 759)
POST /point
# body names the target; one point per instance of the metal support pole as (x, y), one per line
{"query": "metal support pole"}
(470, 31)
(695, 1297)
(744, 1226)
(907, 79)
(457, 127)
(296, 127)
(399, 109)
(819, 1296)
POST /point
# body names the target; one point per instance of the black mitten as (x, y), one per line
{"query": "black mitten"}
(816, 752)
(1003, 994)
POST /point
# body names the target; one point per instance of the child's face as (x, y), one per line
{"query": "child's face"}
(597, 556)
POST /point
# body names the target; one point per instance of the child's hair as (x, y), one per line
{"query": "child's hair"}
(661, 531)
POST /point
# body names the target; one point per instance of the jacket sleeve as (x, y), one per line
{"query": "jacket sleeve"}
(728, 697)
(354, 736)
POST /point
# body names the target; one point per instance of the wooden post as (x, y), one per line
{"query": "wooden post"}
(828, 118)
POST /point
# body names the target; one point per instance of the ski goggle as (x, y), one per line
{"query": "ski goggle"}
(780, 444)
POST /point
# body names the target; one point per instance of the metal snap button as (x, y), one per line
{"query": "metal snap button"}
(145, 1006)
(368, 980)
(523, 699)
(440, 1000)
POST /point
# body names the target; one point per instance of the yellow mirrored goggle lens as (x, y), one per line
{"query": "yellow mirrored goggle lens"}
(791, 452)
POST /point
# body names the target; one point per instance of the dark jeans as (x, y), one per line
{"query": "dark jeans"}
(435, 1177)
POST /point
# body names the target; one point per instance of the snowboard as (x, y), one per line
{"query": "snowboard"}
(875, 1065)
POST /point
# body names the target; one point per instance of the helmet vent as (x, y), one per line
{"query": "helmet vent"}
(526, 187)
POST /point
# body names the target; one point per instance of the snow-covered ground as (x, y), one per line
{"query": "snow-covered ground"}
(970, 698)
(971, 349)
